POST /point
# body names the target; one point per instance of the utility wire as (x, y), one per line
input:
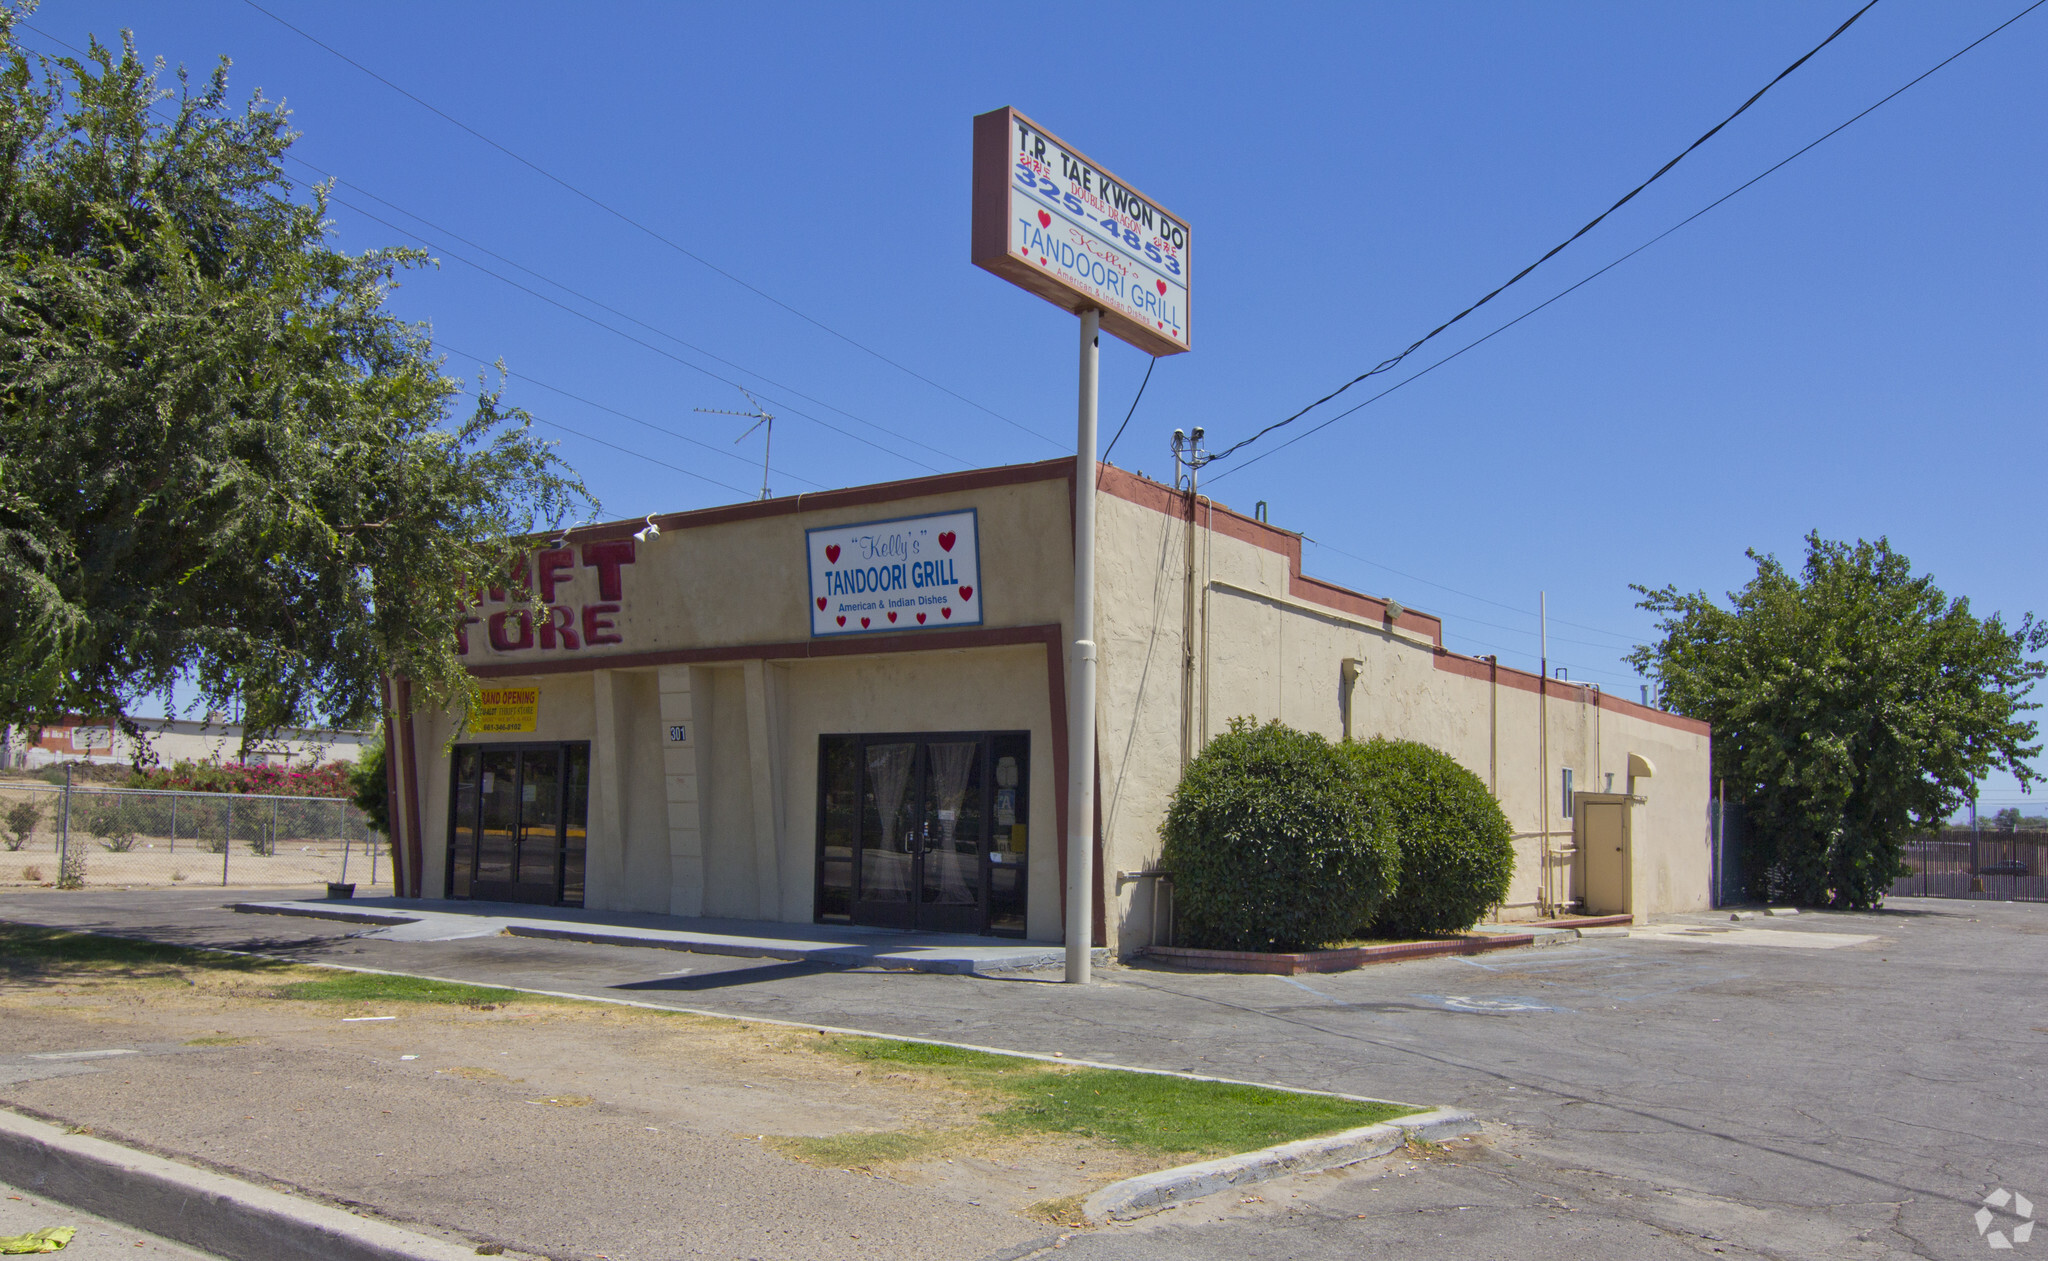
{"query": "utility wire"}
(584, 297)
(1134, 408)
(548, 280)
(722, 452)
(1640, 248)
(642, 455)
(666, 354)
(1554, 250)
(1512, 608)
(628, 220)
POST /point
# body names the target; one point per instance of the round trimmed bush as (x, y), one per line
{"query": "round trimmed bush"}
(1273, 843)
(1457, 851)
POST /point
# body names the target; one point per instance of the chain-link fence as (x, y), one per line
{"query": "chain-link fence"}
(86, 836)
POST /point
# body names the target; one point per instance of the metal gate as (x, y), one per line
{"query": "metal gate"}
(1965, 863)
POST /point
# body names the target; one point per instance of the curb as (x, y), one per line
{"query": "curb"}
(880, 954)
(212, 1212)
(1149, 1193)
(1294, 963)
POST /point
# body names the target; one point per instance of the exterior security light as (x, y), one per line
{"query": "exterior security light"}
(650, 533)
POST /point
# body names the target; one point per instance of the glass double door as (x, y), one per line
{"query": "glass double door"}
(517, 823)
(910, 834)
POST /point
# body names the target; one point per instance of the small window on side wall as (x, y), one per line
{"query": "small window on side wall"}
(1567, 792)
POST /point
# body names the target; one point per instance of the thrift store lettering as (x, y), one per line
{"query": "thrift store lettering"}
(562, 626)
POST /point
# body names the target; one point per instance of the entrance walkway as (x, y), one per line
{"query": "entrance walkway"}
(829, 945)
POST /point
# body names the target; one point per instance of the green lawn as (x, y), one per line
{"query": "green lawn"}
(1143, 1111)
(373, 987)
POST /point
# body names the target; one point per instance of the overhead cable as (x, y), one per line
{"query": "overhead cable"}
(1759, 176)
(1388, 364)
(636, 224)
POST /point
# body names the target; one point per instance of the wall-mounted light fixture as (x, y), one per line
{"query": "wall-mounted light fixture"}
(650, 532)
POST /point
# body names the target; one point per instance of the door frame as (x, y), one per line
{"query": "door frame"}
(474, 803)
(1626, 803)
(861, 739)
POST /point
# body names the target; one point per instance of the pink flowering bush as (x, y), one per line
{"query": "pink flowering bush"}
(329, 779)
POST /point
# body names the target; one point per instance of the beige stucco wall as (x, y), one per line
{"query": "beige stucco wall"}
(724, 822)
(1260, 650)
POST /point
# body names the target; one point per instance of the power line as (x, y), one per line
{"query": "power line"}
(555, 424)
(666, 354)
(581, 296)
(1512, 608)
(646, 424)
(599, 323)
(627, 219)
(1640, 248)
(1554, 250)
(1134, 407)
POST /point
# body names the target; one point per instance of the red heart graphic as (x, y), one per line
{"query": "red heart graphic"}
(863, 622)
(946, 612)
(831, 553)
(821, 604)
(946, 539)
(967, 593)
(1044, 219)
(1162, 287)
(1042, 262)
(842, 619)
(920, 619)
(892, 615)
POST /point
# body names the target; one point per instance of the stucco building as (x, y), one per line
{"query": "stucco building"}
(851, 707)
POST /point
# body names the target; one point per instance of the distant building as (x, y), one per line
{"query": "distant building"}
(175, 740)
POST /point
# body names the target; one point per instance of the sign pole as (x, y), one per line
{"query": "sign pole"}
(1081, 710)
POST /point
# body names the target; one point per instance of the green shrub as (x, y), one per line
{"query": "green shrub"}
(106, 819)
(22, 818)
(1457, 849)
(1273, 844)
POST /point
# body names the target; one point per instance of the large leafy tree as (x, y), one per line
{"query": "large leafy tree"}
(1853, 704)
(223, 462)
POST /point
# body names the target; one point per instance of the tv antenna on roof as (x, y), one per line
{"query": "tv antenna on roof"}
(761, 419)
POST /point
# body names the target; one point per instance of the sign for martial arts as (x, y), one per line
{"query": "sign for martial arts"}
(1049, 220)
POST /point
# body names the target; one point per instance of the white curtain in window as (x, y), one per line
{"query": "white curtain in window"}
(885, 864)
(951, 764)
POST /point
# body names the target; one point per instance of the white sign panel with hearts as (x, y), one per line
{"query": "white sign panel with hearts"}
(906, 574)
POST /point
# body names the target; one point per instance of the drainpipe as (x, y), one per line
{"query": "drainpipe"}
(1493, 725)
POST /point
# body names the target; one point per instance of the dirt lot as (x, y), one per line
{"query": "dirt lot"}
(501, 1118)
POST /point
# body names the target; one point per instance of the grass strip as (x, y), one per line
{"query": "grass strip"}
(375, 987)
(1148, 1112)
(26, 948)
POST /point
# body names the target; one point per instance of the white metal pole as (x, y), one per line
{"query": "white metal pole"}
(1081, 706)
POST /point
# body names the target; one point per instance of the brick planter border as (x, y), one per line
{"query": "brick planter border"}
(1292, 963)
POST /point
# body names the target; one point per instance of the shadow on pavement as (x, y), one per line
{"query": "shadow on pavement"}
(731, 977)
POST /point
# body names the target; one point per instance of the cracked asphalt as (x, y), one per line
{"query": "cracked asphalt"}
(1832, 1085)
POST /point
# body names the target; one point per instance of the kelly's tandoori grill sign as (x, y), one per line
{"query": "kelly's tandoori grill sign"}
(912, 573)
(1049, 220)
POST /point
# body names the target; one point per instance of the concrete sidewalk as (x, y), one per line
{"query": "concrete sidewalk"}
(828, 945)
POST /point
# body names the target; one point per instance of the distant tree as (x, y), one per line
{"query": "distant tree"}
(1852, 704)
(222, 461)
(2008, 819)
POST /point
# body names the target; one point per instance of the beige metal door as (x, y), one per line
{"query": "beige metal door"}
(1603, 843)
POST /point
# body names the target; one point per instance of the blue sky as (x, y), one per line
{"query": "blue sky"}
(1854, 345)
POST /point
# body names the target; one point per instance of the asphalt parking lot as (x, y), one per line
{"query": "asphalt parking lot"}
(1833, 1085)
